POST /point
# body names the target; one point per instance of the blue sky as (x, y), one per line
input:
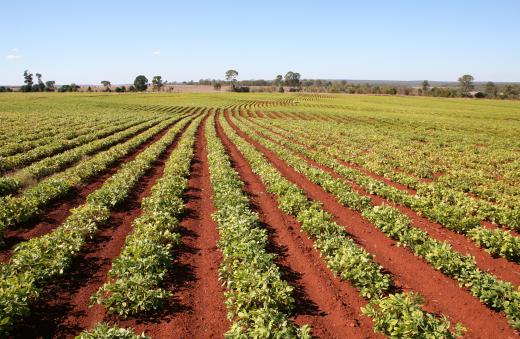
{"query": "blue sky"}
(90, 41)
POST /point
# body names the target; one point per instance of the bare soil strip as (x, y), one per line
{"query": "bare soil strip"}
(58, 211)
(501, 267)
(322, 301)
(63, 310)
(442, 294)
(198, 307)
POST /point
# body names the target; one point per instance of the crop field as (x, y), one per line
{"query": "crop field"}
(211, 215)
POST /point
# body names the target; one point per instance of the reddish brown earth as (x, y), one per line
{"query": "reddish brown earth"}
(63, 310)
(373, 175)
(354, 166)
(199, 306)
(442, 294)
(501, 267)
(331, 307)
(56, 213)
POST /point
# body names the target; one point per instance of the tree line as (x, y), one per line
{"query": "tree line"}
(291, 82)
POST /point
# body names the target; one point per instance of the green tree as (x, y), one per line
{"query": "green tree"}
(106, 84)
(28, 81)
(278, 80)
(292, 79)
(140, 83)
(217, 86)
(231, 76)
(466, 84)
(491, 90)
(50, 86)
(158, 83)
(425, 86)
(41, 85)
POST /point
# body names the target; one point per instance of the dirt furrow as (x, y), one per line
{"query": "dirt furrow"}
(63, 311)
(199, 306)
(442, 294)
(501, 267)
(59, 210)
(331, 308)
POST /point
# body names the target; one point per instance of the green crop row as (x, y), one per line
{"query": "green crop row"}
(440, 207)
(142, 264)
(12, 183)
(506, 213)
(39, 260)
(257, 299)
(16, 210)
(105, 331)
(495, 293)
(22, 159)
(345, 258)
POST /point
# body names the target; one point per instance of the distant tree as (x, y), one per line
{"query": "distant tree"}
(140, 83)
(425, 86)
(217, 86)
(511, 92)
(292, 79)
(466, 84)
(28, 81)
(278, 80)
(50, 86)
(5, 89)
(491, 90)
(281, 90)
(231, 76)
(391, 91)
(121, 89)
(158, 83)
(131, 88)
(106, 84)
(41, 85)
(89, 89)
(69, 88)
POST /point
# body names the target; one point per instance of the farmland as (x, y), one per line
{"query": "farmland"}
(196, 215)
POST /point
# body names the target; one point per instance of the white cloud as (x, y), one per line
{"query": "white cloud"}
(13, 56)
(157, 52)
(14, 50)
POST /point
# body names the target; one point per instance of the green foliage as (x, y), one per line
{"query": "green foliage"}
(257, 299)
(105, 331)
(401, 316)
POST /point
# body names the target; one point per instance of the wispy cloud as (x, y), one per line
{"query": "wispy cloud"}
(13, 57)
(157, 52)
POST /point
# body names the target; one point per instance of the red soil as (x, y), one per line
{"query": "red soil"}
(501, 267)
(353, 166)
(442, 294)
(56, 213)
(199, 310)
(322, 301)
(63, 310)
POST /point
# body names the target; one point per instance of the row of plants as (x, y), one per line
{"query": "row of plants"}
(16, 130)
(12, 183)
(136, 274)
(57, 146)
(496, 294)
(398, 314)
(20, 209)
(258, 300)
(41, 260)
(440, 207)
(107, 331)
(67, 131)
(504, 212)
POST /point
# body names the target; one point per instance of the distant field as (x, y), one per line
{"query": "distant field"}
(195, 215)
